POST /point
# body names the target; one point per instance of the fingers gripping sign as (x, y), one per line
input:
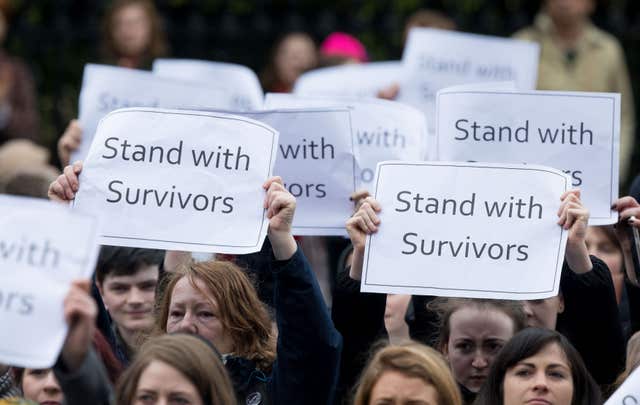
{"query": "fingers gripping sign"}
(65, 187)
(574, 217)
(280, 206)
(364, 222)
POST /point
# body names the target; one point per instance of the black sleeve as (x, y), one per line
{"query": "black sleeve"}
(359, 317)
(88, 384)
(633, 298)
(591, 320)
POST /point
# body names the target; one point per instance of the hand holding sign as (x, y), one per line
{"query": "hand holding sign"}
(466, 230)
(574, 217)
(178, 180)
(280, 206)
(364, 222)
(64, 188)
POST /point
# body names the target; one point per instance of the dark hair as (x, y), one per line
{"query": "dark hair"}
(445, 307)
(526, 344)
(123, 261)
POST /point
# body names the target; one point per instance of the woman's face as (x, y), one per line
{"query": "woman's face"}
(476, 337)
(194, 313)
(131, 30)
(296, 54)
(41, 386)
(600, 245)
(160, 383)
(394, 387)
(542, 379)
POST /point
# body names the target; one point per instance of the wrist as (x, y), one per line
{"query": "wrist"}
(283, 244)
(577, 257)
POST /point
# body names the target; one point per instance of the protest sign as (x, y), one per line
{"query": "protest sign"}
(350, 80)
(107, 88)
(466, 230)
(629, 392)
(577, 133)
(44, 246)
(316, 162)
(179, 180)
(382, 130)
(434, 59)
(237, 80)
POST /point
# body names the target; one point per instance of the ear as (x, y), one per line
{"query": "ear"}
(560, 302)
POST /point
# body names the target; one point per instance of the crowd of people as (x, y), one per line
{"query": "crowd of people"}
(289, 325)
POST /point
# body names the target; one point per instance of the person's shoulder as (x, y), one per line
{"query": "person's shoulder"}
(604, 40)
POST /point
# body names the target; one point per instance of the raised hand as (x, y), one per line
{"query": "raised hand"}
(280, 206)
(64, 188)
(574, 217)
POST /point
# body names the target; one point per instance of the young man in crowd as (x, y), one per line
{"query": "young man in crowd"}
(126, 280)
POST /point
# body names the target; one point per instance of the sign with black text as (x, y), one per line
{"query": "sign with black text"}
(179, 180)
(434, 59)
(575, 132)
(466, 230)
(108, 88)
(382, 129)
(44, 246)
(316, 161)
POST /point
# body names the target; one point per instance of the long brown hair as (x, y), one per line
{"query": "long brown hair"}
(158, 42)
(412, 360)
(191, 357)
(240, 310)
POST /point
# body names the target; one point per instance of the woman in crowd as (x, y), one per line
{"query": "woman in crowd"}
(472, 333)
(539, 366)
(132, 34)
(292, 55)
(40, 385)
(216, 301)
(408, 373)
(179, 369)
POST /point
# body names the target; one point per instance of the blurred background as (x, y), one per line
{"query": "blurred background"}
(57, 37)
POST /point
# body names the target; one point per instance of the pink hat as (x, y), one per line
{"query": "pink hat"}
(341, 44)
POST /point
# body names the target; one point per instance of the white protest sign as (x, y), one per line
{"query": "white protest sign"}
(629, 392)
(240, 81)
(466, 230)
(577, 133)
(107, 88)
(351, 80)
(382, 130)
(44, 246)
(179, 180)
(434, 59)
(316, 162)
